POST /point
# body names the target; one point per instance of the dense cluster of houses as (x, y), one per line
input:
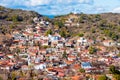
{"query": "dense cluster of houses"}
(56, 55)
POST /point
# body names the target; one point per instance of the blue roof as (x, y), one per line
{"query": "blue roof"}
(85, 64)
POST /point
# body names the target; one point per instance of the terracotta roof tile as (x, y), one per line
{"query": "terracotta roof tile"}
(75, 77)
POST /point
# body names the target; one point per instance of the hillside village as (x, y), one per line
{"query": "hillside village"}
(36, 53)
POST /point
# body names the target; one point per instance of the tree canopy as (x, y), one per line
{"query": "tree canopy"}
(103, 77)
(49, 32)
(92, 50)
(115, 72)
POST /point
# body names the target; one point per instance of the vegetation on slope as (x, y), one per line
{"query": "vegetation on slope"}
(105, 25)
(11, 19)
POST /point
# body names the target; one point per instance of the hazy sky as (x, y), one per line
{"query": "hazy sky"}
(55, 7)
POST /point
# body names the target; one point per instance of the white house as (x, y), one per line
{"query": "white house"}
(37, 60)
(82, 41)
(54, 38)
(40, 66)
(10, 56)
(24, 67)
(60, 44)
(36, 19)
(109, 43)
(71, 58)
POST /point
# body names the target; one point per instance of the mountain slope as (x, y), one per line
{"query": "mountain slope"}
(102, 26)
(106, 25)
(14, 19)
